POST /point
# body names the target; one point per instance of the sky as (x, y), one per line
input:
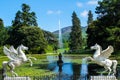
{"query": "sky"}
(49, 12)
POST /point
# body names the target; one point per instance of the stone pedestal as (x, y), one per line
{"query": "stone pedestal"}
(17, 78)
(103, 78)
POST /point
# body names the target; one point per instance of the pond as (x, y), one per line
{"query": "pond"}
(73, 69)
(66, 69)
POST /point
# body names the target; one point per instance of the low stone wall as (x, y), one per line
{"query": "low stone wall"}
(103, 78)
(17, 78)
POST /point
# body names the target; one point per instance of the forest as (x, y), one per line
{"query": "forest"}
(105, 30)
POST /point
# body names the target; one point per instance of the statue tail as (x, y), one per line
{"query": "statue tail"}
(114, 66)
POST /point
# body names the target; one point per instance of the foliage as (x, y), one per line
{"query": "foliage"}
(25, 17)
(22, 19)
(3, 33)
(32, 37)
(75, 40)
(65, 43)
(1, 50)
(92, 32)
(1, 24)
(49, 49)
(106, 29)
(24, 30)
(114, 37)
(51, 39)
(90, 17)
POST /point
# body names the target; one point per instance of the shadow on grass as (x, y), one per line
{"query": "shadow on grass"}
(118, 71)
(38, 66)
(95, 69)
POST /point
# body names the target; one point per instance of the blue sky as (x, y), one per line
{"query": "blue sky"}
(49, 12)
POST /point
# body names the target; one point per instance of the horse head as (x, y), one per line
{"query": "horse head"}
(96, 47)
(21, 52)
(23, 47)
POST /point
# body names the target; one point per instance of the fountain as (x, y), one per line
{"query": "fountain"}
(60, 36)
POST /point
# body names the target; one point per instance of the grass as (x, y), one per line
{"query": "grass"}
(40, 66)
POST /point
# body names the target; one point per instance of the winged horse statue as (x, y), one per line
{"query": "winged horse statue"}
(101, 57)
(17, 57)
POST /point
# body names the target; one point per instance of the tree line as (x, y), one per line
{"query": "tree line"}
(25, 30)
(105, 30)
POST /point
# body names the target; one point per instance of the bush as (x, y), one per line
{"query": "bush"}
(49, 49)
(1, 50)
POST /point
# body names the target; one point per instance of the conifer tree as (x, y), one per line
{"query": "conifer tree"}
(106, 29)
(90, 17)
(75, 40)
(3, 33)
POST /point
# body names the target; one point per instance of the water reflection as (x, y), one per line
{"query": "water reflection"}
(65, 70)
(71, 70)
(60, 62)
(84, 70)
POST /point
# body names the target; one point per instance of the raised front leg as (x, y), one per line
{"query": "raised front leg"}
(32, 58)
(89, 58)
(31, 63)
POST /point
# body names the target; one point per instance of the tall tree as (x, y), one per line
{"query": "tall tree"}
(1, 24)
(22, 19)
(24, 30)
(90, 17)
(75, 40)
(32, 37)
(25, 17)
(3, 33)
(107, 26)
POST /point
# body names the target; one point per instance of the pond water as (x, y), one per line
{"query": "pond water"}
(66, 69)
(73, 70)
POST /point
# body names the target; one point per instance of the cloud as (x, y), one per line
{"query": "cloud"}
(53, 12)
(79, 4)
(58, 12)
(92, 2)
(84, 13)
(50, 12)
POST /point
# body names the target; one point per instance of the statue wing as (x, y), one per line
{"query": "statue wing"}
(106, 53)
(9, 53)
(13, 50)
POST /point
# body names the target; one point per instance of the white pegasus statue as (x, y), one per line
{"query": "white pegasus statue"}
(101, 57)
(17, 57)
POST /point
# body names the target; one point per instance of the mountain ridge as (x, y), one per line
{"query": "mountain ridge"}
(66, 31)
